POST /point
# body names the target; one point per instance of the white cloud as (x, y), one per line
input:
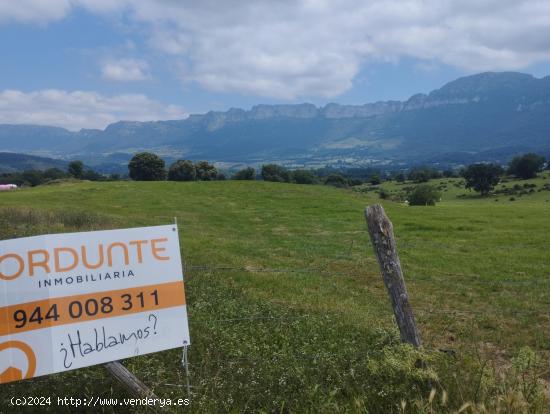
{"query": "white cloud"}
(33, 11)
(125, 70)
(296, 49)
(80, 109)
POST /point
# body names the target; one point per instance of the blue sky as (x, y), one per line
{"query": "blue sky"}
(84, 63)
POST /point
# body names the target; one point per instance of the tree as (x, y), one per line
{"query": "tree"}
(482, 177)
(182, 170)
(336, 180)
(375, 179)
(76, 168)
(400, 177)
(248, 173)
(303, 177)
(274, 172)
(146, 166)
(206, 171)
(92, 175)
(526, 166)
(423, 174)
(54, 174)
(424, 195)
(33, 177)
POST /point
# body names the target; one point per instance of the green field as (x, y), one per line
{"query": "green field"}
(288, 312)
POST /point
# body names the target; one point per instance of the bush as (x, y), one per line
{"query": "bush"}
(274, 172)
(383, 194)
(248, 173)
(146, 166)
(526, 166)
(303, 177)
(206, 171)
(182, 170)
(424, 195)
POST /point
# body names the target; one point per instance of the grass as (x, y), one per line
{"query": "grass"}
(287, 308)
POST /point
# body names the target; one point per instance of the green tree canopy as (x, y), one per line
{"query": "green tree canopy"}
(248, 173)
(182, 170)
(206, 171)
(76, 169)
(423, 174)
(482, 177)
(526, 166)
(146, 166)
(274, 172)
(336, 180)
(303, 177)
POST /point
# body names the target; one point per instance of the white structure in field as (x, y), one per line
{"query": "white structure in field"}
(7, 187)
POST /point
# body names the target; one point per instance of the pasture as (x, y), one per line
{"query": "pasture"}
(288, 312)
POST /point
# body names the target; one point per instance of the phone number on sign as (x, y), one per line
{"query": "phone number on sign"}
(77, 309)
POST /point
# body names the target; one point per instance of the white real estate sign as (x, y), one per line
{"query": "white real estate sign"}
(73, 300)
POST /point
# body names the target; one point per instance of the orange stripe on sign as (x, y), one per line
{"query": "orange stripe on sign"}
(81, 308)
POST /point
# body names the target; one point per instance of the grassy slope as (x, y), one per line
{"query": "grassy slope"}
(477, 272)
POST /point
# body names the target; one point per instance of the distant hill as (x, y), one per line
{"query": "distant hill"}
(11, 162)
(489, 116)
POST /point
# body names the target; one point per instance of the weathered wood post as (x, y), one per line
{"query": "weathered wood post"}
(129, 380)
(381, 235)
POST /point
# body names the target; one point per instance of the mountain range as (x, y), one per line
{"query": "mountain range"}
(484, 117)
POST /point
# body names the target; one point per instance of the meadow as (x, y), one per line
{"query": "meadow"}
(287, 309)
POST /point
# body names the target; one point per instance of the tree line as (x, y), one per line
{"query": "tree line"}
(146, 166)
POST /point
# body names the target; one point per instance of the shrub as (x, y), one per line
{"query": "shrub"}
(424, 195)
(248, 173)
(146, 166)
(182, 170)
(383, 194)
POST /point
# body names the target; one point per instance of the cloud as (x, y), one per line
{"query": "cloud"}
(125, 70)
(34, 11)
(295, 49)
(80, 109)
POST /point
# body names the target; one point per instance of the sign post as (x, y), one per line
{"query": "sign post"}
(73, 300)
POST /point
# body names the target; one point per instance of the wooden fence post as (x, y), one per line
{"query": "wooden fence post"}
(129, 380)
(381, 235)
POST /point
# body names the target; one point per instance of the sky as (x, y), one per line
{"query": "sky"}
(87, 63)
